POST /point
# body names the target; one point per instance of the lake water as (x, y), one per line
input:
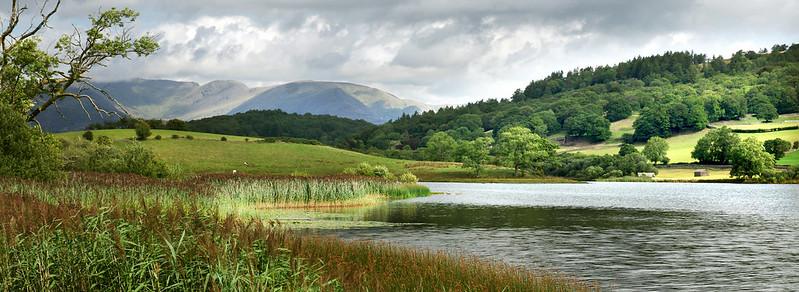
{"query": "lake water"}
(628, 236)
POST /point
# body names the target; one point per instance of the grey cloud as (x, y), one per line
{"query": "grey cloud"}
(486, 49)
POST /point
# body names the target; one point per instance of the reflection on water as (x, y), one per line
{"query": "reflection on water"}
(625, 235)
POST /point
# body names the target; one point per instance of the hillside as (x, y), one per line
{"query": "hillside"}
(332, 98)
(206, 153)
(168, 99)
(681, 145)
(675, 95)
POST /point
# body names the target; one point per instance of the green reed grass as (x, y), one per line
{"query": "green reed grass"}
(94, 232)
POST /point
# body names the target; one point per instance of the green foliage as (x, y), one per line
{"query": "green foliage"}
(588, 124)
(223, 139)
(366, 169)
(408, 178)
(521, 149)
(175, 136)
(327, 129)
(26, 151)
(440, 147)
(655, 150)
(749, 159)
(474, 154)
(142, 131)
(157, 137)
(618, 109)
(765, 111)
(97, 157)
(189, 137)
(653, 122)
(88, 135)
(627, 149)
(104, 141)
(577, 165)
(795, 144)
(715, 146)
(777, 147)
(176, 124)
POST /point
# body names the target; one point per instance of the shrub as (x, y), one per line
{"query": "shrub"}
(175, 136)
(157, 137)
(223, 139)
(95, 157)
(795, 144)
(777, 147)
(88, 135)
(246, 139)
(408, 178)
(189, 137)
(26, 151)
(142, 130)
(104, 140)
(365, 169)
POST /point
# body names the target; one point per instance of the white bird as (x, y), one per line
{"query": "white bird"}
(234, 171)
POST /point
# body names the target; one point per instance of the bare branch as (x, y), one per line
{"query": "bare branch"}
(107, 95)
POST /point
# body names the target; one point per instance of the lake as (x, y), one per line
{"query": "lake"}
(628, 236)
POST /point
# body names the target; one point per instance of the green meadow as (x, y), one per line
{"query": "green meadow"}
(681, 145)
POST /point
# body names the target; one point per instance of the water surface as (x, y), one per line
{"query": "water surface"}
(630, 236)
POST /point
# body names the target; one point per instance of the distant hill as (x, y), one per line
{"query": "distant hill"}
(333, 98)
(168, 99)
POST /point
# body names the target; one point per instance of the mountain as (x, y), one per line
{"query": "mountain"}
(332, 98)
(168, 99)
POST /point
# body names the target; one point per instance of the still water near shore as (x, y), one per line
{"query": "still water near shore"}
(628, 236)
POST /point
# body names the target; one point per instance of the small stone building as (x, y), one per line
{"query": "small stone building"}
(701, 172)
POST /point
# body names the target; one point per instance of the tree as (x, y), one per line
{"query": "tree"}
(588, 124)
(475, 153)
(655, 150)
(715, 146)
(176, 124)
(777, 147)
(27, 72)
(88, 135)
(142, 130)
(520, 148)
(765, 111)
(626, 149)
(26, 151)
(440, 147)
(750, 159)
(654, 121)
(618, 109)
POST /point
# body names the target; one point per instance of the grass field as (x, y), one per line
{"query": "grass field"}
(687, 174)
(681, 145)
(206, 153)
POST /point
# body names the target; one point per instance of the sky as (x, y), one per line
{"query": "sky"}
(434, 51)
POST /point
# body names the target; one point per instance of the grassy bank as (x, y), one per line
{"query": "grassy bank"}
(122, 232)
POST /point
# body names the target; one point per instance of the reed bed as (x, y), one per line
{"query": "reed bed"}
(100, 232)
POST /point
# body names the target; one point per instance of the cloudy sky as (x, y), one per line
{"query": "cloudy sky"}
(439, 52)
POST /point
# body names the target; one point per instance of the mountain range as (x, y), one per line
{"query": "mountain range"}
(168, 99)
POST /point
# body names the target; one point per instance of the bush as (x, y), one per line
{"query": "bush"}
(408, 178)
(246, 139)
(82, 156)
(157, 137)
(104, 140)
(175, 136)
(88, 135)
(365, 169)
(142, 130)
(223, 139)
(795, 144)
(189, 137)
(26, 151)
